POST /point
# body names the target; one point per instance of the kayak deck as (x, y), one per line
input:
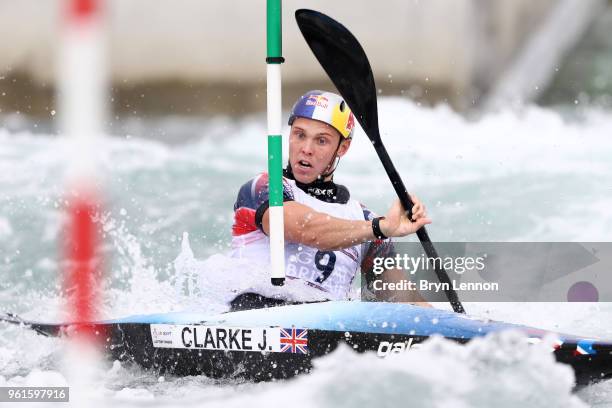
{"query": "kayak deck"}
(280, 342)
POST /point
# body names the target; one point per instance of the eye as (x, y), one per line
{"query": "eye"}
(299, 134)
(322, 141)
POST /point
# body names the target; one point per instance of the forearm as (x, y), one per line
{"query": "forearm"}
(306, 226)
(328, 233)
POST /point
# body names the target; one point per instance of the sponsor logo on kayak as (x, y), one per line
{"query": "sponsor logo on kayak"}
(386, 348)
(201, 337)
(161, 335)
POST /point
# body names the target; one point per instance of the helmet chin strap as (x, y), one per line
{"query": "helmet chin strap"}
(333, 164)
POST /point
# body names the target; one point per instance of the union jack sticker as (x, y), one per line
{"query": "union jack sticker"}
(294, 340)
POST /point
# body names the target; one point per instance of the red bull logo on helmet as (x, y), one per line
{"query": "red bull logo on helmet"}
(317, 100)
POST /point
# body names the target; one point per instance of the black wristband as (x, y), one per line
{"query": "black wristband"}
(376, 228)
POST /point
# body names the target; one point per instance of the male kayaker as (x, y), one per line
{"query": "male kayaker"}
(329, 236)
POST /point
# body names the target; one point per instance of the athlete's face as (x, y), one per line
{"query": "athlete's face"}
(312, 145)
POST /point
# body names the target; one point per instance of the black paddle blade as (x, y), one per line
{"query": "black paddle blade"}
(346, 64)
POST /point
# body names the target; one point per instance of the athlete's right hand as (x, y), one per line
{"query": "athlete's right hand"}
(396, 222)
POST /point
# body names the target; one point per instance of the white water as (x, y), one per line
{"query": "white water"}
(506, 177)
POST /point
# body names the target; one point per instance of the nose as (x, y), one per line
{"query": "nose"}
(307, 146)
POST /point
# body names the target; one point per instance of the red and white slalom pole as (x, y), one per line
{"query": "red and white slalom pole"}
(82, 99)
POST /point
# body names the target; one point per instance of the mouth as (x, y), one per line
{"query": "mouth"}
(304, 164)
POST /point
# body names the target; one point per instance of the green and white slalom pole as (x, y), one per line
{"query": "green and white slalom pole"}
(275, 142)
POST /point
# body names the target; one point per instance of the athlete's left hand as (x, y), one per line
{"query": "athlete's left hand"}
(396, 222)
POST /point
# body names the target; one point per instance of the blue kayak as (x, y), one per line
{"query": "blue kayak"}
(280, 342)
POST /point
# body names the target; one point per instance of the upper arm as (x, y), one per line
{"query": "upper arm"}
(251, 203)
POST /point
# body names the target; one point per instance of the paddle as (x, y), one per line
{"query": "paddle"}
(347, 65)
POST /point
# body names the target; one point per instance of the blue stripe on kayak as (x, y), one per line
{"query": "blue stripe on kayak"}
(370, 317)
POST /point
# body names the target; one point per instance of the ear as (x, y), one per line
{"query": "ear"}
(344, 146)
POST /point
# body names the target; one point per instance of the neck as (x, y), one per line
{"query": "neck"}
(323, 189)
(328, 178)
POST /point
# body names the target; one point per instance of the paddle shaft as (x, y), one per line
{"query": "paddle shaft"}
(347, 65)
(407, 203)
